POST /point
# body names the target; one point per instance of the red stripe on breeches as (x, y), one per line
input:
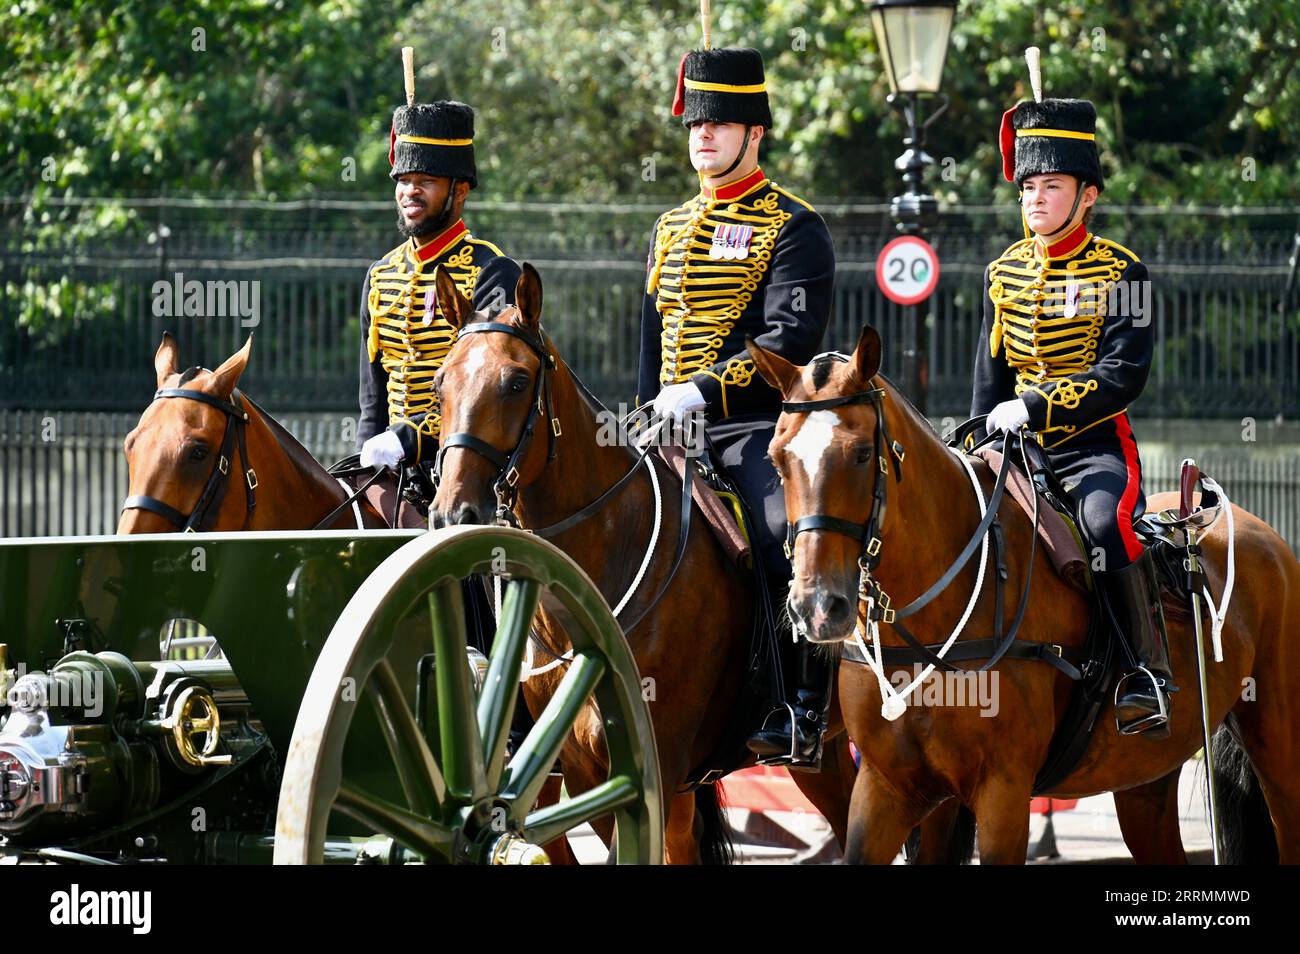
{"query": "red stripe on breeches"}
(1128, 500)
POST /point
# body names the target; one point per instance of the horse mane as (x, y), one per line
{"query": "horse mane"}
(594, 404)
(910, 410)
(293, 448)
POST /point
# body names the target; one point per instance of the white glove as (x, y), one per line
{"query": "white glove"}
(1007, 416)
(679, 400)
(382, 450)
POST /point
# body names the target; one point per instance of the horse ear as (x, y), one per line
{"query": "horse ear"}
(223, 380)
(528, 296)
(455, 307)
(776, 371)
(866, 356)
(167, 360)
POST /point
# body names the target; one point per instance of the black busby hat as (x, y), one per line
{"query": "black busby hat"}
(434, 138)
(1051, 135)
(722, 86)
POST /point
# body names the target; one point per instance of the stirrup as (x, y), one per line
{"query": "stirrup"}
(780, 758)
(1152, 720)
(791, 758)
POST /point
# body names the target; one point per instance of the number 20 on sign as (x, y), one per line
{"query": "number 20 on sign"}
(907, 270)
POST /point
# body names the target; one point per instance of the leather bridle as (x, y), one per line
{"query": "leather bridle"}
(218, 481)
(505, 485)
(866, 534)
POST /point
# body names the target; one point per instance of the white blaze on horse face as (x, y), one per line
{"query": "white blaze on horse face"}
(813, 439)
(475, 360)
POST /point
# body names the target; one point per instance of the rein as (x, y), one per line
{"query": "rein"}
(505, 486)
(346, 468)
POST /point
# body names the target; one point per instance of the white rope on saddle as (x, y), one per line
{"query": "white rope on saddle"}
(528, 670)
(1218, 613)
(894, 701)
(356, 506)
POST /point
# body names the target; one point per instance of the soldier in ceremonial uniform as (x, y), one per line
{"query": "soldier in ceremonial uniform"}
(404, 338)
(1065, 349)
(742, 258)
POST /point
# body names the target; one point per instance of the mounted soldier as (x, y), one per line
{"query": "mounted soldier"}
(404, 336)
(1065, 350)
(742, 258)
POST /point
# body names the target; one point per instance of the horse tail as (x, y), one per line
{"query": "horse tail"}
(1245, 826)
(961, 846)
(713, 831)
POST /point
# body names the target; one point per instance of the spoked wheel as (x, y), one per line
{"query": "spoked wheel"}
(450, 795)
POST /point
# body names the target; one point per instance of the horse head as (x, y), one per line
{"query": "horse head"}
(494, 396)
(179, 446)
(824, 450)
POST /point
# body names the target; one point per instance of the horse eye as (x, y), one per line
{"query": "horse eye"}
(519, 383)
(198, 452)
(863, 455)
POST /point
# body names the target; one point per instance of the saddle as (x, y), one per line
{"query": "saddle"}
(1095, 665)
(1062, 537)
(715, 496)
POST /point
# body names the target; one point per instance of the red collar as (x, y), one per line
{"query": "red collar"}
(443, 241)
(734, 190)
(1066, 246)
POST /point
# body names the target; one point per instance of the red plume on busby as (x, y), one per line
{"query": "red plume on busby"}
(679, 97)
(1007, 143)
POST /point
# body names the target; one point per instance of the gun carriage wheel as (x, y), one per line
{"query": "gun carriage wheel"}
(452, 795)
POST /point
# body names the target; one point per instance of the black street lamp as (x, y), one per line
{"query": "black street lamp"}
(913, 39)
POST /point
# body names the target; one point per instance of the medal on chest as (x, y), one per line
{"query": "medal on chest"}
(430, 305)
(731, 242)
(1071, 299)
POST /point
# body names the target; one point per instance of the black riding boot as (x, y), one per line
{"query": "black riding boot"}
(1142, 695)
(792, 733)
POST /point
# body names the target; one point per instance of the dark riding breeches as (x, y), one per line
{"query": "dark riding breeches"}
(740, 444)
(1103, 473)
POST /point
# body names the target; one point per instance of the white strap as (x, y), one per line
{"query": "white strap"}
(894, 702)
(356, 506)
(528, 670)
(1219, 613)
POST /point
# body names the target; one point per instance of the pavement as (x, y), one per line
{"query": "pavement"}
(784, 833)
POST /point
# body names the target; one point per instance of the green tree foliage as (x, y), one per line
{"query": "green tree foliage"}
(1199, 100)
(214, 95)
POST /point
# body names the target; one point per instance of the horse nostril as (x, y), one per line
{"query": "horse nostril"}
(832, 606)
(467, 514)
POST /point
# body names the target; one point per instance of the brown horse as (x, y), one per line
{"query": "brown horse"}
(176, 450)
(828, 461)
(691, 644)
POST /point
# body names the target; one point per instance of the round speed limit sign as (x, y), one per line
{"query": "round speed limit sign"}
(907, 270)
